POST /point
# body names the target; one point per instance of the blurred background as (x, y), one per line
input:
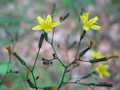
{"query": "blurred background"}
(17, 17)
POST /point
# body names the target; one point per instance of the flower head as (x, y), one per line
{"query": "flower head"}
(102, 70)
(45, 25)
(89, 23)
(96, 55)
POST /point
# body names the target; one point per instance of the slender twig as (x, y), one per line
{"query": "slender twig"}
(34, 80)
(36, 59)
(57, 56)
(79, 43)
(33, 77)
(78, 47)
(80, 83)
(62, 79)
(79, 39)
(51, 43)
(7, 70)
(53, 36)
(82, 60)
(90, 87)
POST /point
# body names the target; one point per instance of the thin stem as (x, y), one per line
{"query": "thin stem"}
(54, 49)
(82, 60)
(78, 47)
(53, 36)
(33, 77)
(62, 79)
(34, 80)
(90, 87)
(57, 56)
(80, 83)
(76, 52)
(36, 59)
(7, 70)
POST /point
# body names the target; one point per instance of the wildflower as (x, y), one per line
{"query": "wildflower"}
(45, 25)
(102, 70)
(89, 23)
(103, 59)
(88, 48)
(96, 55)
(16, 55)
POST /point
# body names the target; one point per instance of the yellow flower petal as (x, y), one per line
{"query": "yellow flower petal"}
(40, 20)
(47, 30)
(101, 76)
(38, 27)
(49, 19)
(87, 16)
(106, 67)
(96, 55)
(102, 70)
(84, 17)
(54, 24)
(89, 23)
(97, 69)
(93, 20)
(93, 53)
(95, 27)
(45, 25)
(107, 74)
(100, 64)
(85, 28)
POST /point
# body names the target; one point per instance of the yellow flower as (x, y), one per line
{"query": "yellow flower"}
(45, 25)
(96, 55)
(102, 70)
(89, 23)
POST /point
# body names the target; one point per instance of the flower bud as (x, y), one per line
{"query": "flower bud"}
(104, 85)
(104, 59)
(17, 56)
(50, 88)
(114, 56)
(91, 43)
(65, 17)
(83, 34)
(98, 60)
(30, 83)
(40, 41)
(9, 49)
(88, 48)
